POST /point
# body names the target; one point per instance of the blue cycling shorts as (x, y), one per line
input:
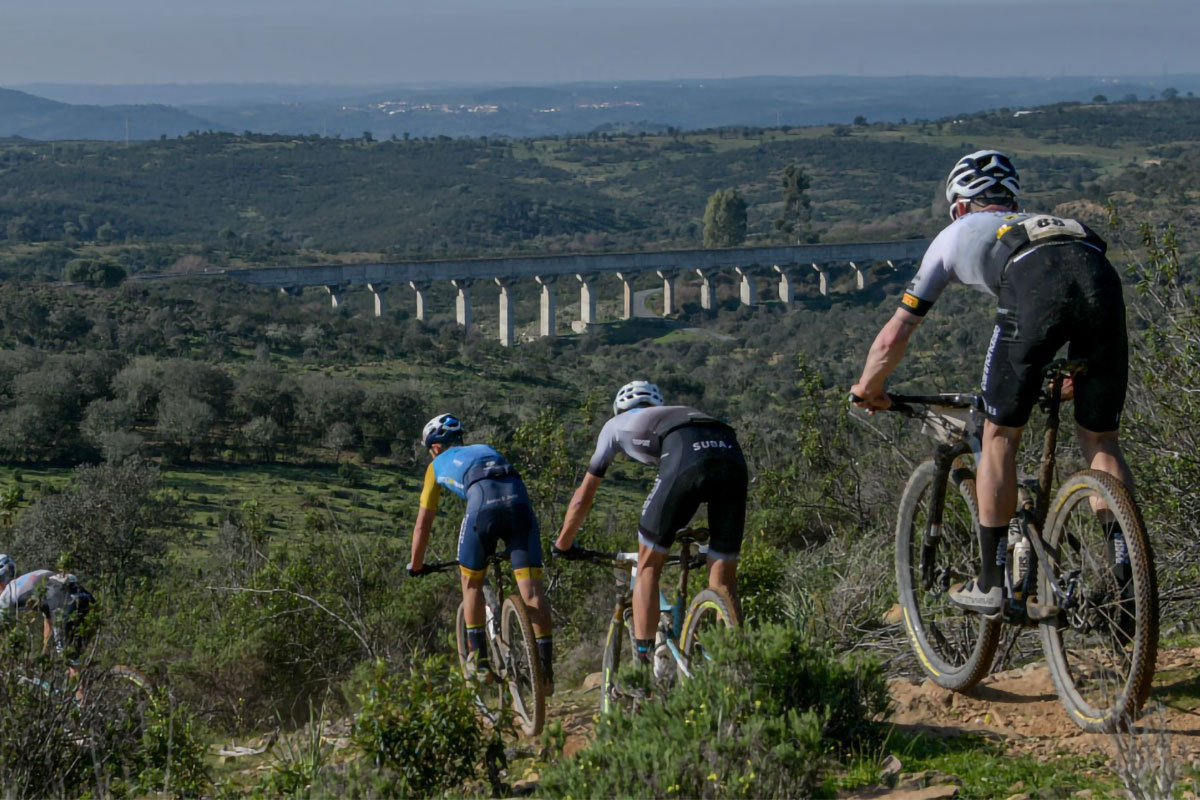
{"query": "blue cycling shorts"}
(499, 508)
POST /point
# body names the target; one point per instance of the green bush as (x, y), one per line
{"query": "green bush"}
(422, 725)
(772, 712)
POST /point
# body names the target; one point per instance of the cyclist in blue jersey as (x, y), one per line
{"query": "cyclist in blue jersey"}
(498, 507)
(1053, 286)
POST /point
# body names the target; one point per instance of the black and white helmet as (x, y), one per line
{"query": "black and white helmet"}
(8, 569)
(637, 393)
(442, 428)
(979, 173)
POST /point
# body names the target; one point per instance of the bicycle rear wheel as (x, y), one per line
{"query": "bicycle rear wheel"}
(955, 648)
(121, 696)
(523, 668)
(618, 654)
(711, 608)
(1102, 646)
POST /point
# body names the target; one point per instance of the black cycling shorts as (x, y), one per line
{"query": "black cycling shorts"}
(499, 508)
(1049, 296)
(699, 463)
(66, 606)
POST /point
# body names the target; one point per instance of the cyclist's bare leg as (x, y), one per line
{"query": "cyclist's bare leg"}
(996, 483)
(645, 592)
(722, 573)
(534, 595)
(472, 592)
(1102, 451)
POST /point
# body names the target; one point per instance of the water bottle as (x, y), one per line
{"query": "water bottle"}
(664, 664)
(1020, 564)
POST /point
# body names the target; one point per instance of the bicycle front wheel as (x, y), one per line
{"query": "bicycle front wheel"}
(618, 653)
(522, 667)
(955, 648)
(1102, 646)
(120, 695)
(711, 608)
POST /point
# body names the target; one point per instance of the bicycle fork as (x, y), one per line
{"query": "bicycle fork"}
(944, 456)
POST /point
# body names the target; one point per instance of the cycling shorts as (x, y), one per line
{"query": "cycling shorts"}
(699, 463)
(1052, 295)
(499, 508)
(66, 606)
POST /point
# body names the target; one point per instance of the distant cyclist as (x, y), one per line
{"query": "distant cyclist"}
(1053, 286)
(698, 460)
(498, 507)
(62, 601)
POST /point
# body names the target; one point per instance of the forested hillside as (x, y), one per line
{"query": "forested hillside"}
(234, 472)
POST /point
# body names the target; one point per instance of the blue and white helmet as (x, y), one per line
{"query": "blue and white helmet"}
(8, 569)
(978, 173)
(637, 393)
(442, 428)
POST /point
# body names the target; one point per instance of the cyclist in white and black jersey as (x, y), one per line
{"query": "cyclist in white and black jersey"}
(698, 460)
(1053, 286)
(61, 600)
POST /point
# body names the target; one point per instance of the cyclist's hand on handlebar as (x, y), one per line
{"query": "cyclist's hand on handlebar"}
(572, 553)
(415, 573)
(1068, 387)
(872, 403)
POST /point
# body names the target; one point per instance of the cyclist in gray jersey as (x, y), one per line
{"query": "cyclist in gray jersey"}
(1053, 286)
(698, 460)
(62, 602)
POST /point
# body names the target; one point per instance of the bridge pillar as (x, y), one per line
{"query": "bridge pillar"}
(335, 296)
(506, 320)
(708, 295)
(462, 303)
(748, 291)
(787, 287)
(668, 278)
(626, 279)
(824, 286)
(379, 290)
(860, 275)
(420, 287)
(587, 301)
(548, 304)
(291, 291)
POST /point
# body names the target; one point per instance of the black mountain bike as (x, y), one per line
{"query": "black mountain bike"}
(1099, 629)
(512, 650)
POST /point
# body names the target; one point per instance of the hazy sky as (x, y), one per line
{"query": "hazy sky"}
(416, 41)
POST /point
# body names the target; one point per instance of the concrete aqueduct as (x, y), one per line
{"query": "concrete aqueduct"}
(784, 263)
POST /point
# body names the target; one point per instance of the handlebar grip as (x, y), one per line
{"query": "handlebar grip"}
(855, 398)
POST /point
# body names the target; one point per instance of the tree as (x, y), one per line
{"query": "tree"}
(20, 229)
(796, 214)
(860, 120)
(94, 272)
(725, 219)
(1099, 99)
(108, 523)
(107, 233)
(1170, 93)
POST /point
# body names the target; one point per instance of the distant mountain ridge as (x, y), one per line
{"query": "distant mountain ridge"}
(534, 111)
(33, 117)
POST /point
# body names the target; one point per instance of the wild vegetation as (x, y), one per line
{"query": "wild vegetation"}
(234, 474)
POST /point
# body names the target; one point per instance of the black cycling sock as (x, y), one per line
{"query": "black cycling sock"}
(642, 650)
(545, 648)
(477, 643)
(993, 544)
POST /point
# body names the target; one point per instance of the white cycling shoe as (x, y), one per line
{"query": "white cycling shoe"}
(968, 596)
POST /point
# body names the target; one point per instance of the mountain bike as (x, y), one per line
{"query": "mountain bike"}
(1099, 631)
(118, 698)
(678, 650)
(512, 650)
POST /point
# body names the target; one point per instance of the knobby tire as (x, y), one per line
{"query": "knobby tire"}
(710, 608)
(524, 667)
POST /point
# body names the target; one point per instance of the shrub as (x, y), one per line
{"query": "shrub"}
(771, 712)
(422, 725)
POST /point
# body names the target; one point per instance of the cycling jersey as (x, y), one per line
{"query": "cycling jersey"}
(639, 433)
(699, 460)
(22, 593)
(498, 507)
(974, 250)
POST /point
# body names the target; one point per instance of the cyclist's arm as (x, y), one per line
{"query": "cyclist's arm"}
(886, 352)
(431, 493)
(577, 510)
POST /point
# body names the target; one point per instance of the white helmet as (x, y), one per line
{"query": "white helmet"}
(978, 172)
(8, 569)
(637, 393)
(442, 428)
